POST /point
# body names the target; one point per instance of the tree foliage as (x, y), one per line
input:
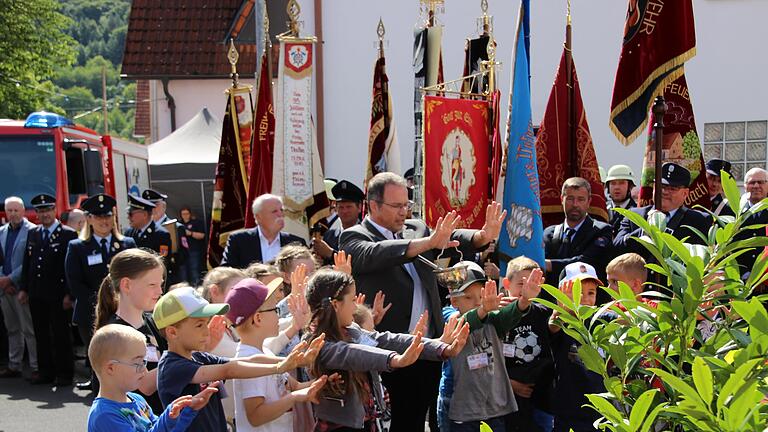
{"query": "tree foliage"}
(33, 45)
(660, 369)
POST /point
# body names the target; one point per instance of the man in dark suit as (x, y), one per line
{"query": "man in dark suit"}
(720, 205)
(146, 232)
(619, 183)
(44, 286)
(675, 180)
(349, 202)
(87, 261)
(260, 244)
(384, 250)
(756, 185)
(579, 238)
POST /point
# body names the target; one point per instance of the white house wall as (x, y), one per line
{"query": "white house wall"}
(725, 78)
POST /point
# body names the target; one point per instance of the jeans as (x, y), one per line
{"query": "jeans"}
(443, 406)
(193, 267)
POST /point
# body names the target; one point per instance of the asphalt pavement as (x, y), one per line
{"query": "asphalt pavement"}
(41, 408)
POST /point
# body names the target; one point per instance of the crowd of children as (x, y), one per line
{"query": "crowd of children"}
(291, 348)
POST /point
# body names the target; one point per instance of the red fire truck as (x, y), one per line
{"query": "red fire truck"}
(48, 153)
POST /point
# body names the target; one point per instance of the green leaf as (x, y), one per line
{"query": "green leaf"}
(735, 381)
(592, 359)
(754, 313)
(679, 386)
(676, 246)
(640, 409)
(606, 409)
(731, 190)
(702, 378)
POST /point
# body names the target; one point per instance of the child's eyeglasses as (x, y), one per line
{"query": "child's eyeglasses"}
(139, 366)
(274, 309)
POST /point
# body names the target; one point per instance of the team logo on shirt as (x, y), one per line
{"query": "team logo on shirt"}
(527, 346)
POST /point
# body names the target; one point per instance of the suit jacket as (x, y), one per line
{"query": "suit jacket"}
(677, 226)
(378, 265)
(244, 247)
(19, 250)
(43, 268)
(591, 244)
(747, 260)
(84, 278)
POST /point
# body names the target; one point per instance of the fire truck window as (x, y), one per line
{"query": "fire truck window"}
(28, 166)
(94, 174)
(75, 173)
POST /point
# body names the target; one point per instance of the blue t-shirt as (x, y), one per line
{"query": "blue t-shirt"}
(174, 379)
(446, 380)
(136, 416)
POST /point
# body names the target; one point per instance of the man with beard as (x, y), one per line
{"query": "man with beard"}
(579, 238)
(260, 244)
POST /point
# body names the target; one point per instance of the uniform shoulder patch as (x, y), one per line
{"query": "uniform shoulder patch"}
(163, 250)
(602, 242)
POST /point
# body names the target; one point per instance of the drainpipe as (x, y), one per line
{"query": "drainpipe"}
(171, 103)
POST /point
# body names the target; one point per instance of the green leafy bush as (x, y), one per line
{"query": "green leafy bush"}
(660, 371)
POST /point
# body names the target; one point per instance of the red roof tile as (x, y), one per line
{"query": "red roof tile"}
(184, 39)
(141, 126)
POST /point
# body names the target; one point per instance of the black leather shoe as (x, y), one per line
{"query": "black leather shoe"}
(84, 385)
(37, 379)
(62, 382)
(9, 373)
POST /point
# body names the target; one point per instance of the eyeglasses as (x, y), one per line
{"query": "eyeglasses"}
(757, 182)
(139, 366)
(274, 309)
(407, 206)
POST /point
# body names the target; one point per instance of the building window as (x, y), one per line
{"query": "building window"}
(741, 143)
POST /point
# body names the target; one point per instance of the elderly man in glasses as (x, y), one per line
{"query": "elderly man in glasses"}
(756, 186)
(384, 250)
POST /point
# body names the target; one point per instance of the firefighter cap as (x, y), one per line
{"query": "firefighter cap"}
(347, 191)
(136, 202)
(43, 202)
(99, 205)
(673, 174)
(714, 166)
(153, 195)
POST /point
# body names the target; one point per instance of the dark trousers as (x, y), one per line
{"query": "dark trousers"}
(193, 267)
(522, 420)
(412, 390)
(86, 333)
(55, 358)
(496, 424)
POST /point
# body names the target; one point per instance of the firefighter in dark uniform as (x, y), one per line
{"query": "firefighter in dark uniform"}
(318, 230)
(349, 202)
(756, 188)
(44, 284)
(720, 205)
(675, 180)
(146, 232)
(618, 185)
(179, 254)
(87, 262)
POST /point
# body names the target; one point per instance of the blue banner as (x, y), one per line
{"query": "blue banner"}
(522, 234)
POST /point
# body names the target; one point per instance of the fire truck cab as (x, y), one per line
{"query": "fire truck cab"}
(48, 153)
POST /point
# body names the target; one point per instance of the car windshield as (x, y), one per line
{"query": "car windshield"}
(27, 166)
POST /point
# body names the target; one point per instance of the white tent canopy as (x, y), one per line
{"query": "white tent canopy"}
(197, 141)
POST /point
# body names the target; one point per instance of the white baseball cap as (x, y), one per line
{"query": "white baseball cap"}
(580, 271)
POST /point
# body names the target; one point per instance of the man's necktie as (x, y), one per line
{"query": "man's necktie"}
(565, 243)
(46, 237)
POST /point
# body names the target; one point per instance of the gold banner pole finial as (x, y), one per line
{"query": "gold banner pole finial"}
(293, 10)
(569, 12)
(431, 8)
(233, 56)
(381, 31)
(485, 19)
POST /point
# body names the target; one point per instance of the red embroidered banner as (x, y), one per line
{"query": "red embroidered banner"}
(456, 159)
